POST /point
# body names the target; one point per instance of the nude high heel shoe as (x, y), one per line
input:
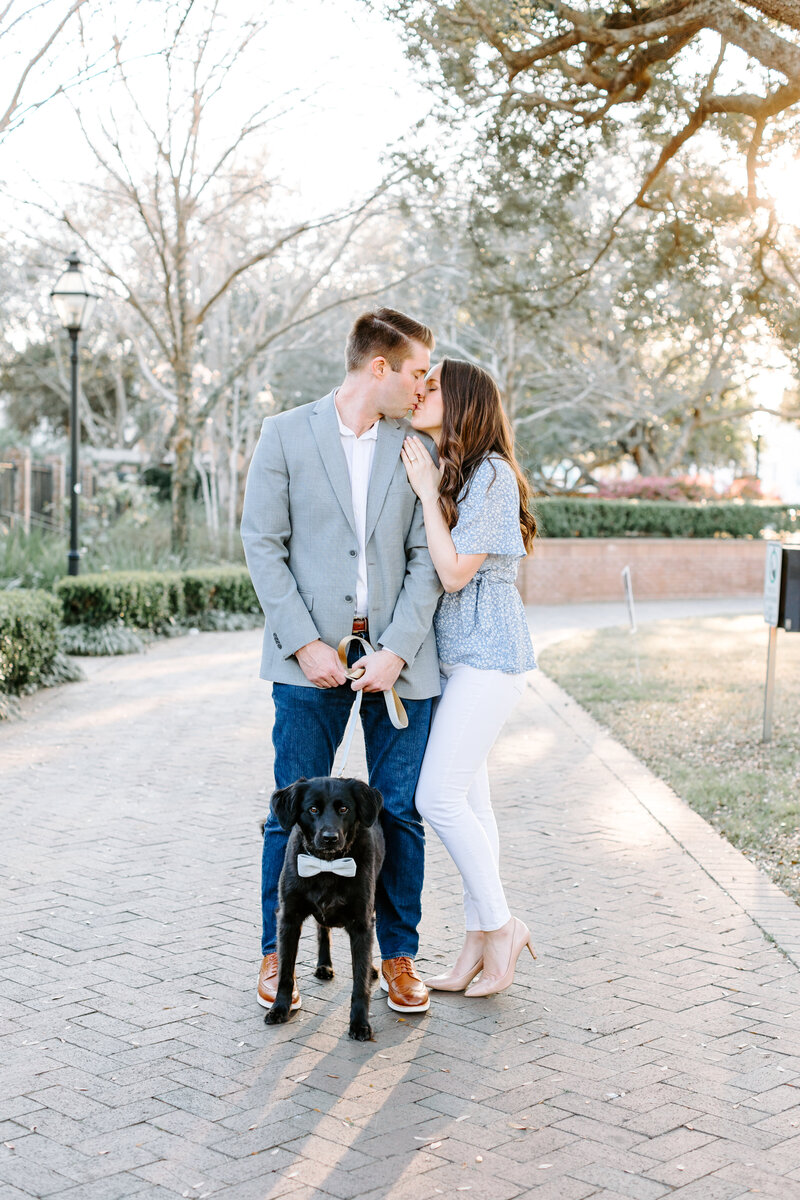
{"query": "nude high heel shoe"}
(454, 983)
(488, 987)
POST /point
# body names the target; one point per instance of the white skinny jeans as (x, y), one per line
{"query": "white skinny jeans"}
(453, 789)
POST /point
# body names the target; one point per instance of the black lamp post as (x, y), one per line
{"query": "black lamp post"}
(74, 303)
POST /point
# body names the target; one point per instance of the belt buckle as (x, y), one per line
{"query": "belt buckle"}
(360, 625)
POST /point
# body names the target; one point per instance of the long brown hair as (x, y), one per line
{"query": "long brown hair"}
(474, 425)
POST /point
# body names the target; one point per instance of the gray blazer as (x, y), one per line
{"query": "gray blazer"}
(299, 537)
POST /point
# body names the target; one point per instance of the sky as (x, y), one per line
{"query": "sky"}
(344, 61)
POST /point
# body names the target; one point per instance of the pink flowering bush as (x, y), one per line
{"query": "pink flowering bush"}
(746, 488)
(656, 487)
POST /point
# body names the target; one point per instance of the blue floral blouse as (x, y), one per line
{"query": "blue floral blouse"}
(484, 624)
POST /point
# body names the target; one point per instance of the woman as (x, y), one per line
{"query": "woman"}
(478, 526)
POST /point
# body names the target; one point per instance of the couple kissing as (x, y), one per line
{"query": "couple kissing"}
(394, 509)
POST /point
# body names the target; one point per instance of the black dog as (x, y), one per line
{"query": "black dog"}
(330, 820)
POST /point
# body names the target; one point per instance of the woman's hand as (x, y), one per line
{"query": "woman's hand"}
(423, 474)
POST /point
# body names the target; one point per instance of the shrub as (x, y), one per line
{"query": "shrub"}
(94, 640)
(226, 622)
(155, 600)
(678, 488)
(139, 599)
(226, 589)
(655, 487)
(571, 516)
(159, 478)
(29, 624)
(38, 559)
(30, 560)
(748, 487)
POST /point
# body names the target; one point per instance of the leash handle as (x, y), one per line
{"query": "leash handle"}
(394, 705)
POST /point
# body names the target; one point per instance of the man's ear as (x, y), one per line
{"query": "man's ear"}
(286, 803)
(369, 802)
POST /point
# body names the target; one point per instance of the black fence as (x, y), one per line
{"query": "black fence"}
(8, 488)
(42, 493)
(28, 496)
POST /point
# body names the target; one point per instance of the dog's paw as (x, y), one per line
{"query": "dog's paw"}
(324, 972)
(277, 1015)
(374, 974)
(360, 1031)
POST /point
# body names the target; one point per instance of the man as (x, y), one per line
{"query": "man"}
(335, 544)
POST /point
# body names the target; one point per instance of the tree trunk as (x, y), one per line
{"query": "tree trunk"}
(510, 370)
(233, 469)
(205, 492)
(183, 467)
(183, 434)
(645, 459)
(182, 479)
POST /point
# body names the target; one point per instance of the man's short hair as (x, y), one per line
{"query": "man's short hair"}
(386, 332)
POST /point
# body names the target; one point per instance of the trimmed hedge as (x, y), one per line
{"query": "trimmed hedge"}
(219, 589)
(573, 516)
(139, 599)
(154, 599)
(29, 625)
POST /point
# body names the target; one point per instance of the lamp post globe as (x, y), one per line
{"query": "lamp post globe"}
(74, 302)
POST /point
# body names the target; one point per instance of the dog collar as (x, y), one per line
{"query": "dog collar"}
(308, 865)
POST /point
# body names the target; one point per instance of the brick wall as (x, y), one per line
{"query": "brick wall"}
(571, 570)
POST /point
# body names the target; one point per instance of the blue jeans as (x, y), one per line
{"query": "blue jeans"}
(309, 725)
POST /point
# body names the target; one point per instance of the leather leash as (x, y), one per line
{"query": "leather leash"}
(394, 706)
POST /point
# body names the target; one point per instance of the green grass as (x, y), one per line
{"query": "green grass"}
(38, 559)
(34, 560)
(687, 698)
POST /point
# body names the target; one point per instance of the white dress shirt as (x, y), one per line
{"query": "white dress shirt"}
(359, 453)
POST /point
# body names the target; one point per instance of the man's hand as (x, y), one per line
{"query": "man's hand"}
(320, 664)
(380, 671)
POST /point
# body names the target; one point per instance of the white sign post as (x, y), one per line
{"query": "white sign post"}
(772, 600)
(628, 585)
(772, 582)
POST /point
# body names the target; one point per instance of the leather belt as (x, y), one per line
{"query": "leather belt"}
(361, 627)
(394, 705)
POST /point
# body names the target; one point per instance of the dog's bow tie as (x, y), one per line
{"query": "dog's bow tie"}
(307, 865)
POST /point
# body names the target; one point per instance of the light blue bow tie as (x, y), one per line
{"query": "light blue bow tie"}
(307, 865)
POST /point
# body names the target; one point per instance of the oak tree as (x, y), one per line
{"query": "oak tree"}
(563, 73)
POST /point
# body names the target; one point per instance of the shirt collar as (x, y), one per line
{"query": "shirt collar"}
(370, 435)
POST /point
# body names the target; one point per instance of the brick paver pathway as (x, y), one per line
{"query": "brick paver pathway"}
(653, 1049)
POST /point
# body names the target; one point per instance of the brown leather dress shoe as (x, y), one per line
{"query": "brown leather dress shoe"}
(268, 984)
(407, 992)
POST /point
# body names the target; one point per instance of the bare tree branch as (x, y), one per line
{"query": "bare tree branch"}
(12, 105)
(292, 324)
